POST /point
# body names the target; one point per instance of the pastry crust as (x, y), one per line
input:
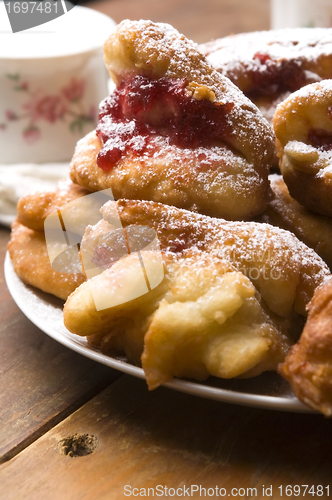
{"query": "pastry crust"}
(27, 247)
(28, 253)
(313, 229)
(227, 179)
(158, 50)
(303, 128)
(33, 209)
(269, 65)
(227, 305)
(283, 269)
(308, 366)
(203, 319)
(214, 182)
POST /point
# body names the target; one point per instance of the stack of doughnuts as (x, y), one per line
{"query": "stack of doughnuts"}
(302, 202)
(233, 295)
(187, 156)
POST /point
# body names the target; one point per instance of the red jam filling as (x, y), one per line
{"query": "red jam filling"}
(275, 76)
(141, 108)
(320, 139)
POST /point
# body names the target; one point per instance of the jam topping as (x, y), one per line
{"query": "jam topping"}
(141, 108)
(262, 58)
(276, 75)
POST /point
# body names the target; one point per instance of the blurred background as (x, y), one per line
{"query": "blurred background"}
(221, 17)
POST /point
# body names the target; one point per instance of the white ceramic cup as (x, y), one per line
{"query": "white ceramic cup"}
(301, 13)
(52, 79)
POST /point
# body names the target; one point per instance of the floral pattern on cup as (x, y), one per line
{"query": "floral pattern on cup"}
(42, 106)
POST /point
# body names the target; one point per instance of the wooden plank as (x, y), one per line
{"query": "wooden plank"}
(170, 439)
(200, 21)
(41, 381)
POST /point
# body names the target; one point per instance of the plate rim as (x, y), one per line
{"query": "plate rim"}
(277, 403)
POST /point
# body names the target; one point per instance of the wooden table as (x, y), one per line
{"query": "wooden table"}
(52, 399)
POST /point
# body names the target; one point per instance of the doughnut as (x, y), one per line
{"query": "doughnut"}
(174, 130)
(285, 212)
(308, 366)
(303, 128)
(205, 318)
(33, 209)
(28, 253)
(283, 269)
(269, 65)
(228, 305)
(27, 246)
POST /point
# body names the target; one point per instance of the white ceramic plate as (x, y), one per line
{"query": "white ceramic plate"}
(266, 391)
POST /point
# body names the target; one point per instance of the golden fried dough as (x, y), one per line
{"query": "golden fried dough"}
(303, 128)
(28, 252)
(204, 318)
(188, 182)
(313, 229)
(268, 65)
(308, 365)
(284, 270)
(158, 50)
(174, 130)
(47, 256)
(33, 209)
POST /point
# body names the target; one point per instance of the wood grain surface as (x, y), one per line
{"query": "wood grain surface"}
(41, 382)
(170, 439)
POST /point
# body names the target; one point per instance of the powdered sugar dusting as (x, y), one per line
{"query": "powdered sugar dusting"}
(306, 47)
(158, 50)
(303, 126)
(285, 271)
(313, 229)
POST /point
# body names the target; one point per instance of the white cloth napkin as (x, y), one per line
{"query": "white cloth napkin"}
(18, 180)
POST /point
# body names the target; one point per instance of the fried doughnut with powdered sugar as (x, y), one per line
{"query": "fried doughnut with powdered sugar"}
(269, 65)
(303, 128)
(175, 130)
(32, 209)
(308, 365)
(29, 255)
(285, 271)
(205, 317)
(27, 246)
